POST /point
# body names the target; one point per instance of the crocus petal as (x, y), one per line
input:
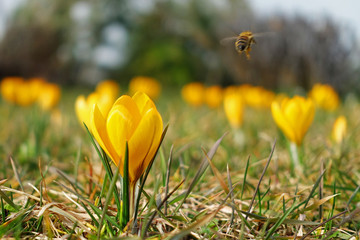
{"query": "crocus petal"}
(233, 107)
(308, 110)
(281, 121)
(144, 142)
(120, 126)
(143, 102)
(130, 110)
(82, 110)
(339, 129)
(98, 128)
(294, 117)
(127, 101)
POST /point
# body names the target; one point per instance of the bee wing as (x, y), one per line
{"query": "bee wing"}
(225, 41)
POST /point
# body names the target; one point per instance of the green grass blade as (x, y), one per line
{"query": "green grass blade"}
(16, 221)
(244, 180)
(201, 222)
(103, 188)
(159, 207)
(107, 200)
(201, 170)
(16, 173)
(96, 223)
(77, 162)
(106, 164)
(231, 196)
(70, 180)
(351, 217)
(93, 207)
(186, 231)
(168, 176)
(73, 231)
(280, 221)
(321, 224)
(314, 188)
(3, 214)
(125, 207)
(331, 213)
(352, 196)
(9, 201)
(262, 176)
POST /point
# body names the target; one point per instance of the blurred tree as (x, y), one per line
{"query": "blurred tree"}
(173, 41)
(297, 53)
(177, 41)
(32, 40)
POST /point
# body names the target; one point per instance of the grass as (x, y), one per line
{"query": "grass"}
(207, 182)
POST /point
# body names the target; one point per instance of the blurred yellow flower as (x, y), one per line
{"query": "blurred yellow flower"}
(294, 117)
(232, 89)
(48, 95)
(234, 108)
(83, 106)
(147, 85)
(339, 129)
(243, 88)
(9, 87)
(193, 93)
(35, 86)
(257, 97)
(132, 119)
(324, 96)
(108, 87)
(280, 96)
(23, 95)
(213, 96)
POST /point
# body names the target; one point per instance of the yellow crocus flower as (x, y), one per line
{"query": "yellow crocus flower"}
(83, 106)
(17, 90)
(193, 93)
(147, 85)
(234, 108)
(108, 87)
(23, 95)
(294, 117)
(48, 96)
(132, 119)
(213, 96)
(8, 88)
(257, 97)
(35, 86)
(339, 129)
(325, 97)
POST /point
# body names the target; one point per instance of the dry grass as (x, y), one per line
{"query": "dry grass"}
(54, 188)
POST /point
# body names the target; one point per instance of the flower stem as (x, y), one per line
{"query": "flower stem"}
(296, 162)
(239, 137)
(294, 154)
(132, 199)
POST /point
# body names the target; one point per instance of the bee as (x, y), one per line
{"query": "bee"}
(243, 42)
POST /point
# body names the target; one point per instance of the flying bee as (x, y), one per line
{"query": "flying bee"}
(243, 42)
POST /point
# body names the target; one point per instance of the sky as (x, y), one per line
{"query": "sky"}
(346, 13)
(6, 9)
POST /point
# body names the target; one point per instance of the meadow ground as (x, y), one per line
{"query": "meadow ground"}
(53, 184)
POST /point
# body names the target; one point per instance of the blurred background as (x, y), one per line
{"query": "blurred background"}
(178, 41)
